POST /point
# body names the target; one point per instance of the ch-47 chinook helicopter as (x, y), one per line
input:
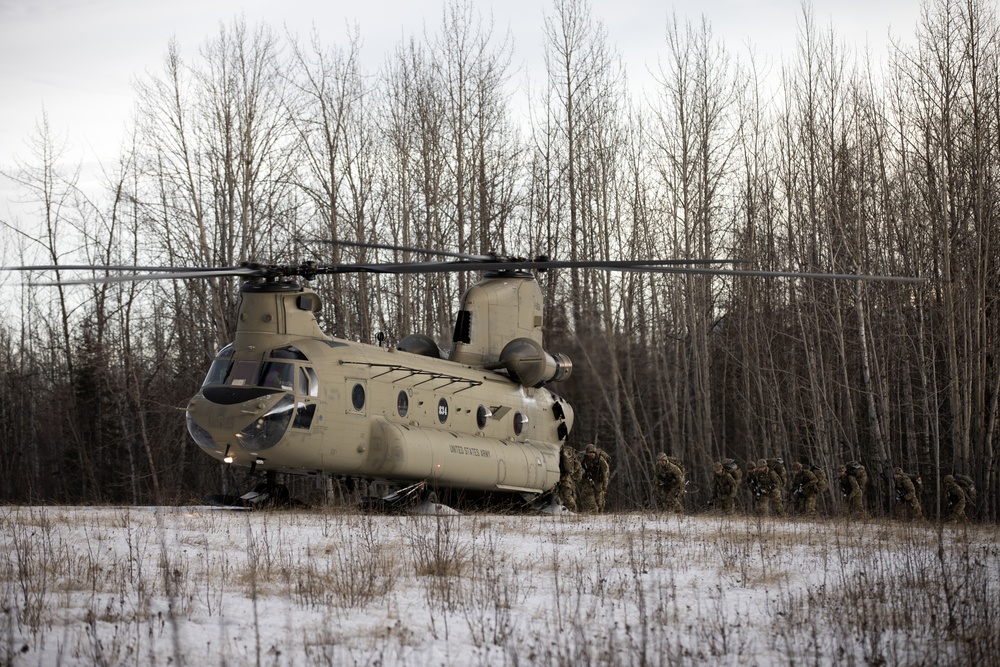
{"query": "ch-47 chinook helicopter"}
(479, 419)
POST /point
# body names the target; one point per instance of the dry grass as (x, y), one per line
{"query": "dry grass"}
(185, 586)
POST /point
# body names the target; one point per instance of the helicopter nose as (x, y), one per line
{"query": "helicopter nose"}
(258, 422)
(267, 430)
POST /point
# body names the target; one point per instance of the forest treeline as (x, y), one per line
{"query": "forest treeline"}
(263, 146)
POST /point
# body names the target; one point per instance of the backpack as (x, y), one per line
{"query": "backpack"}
(604, 455)
(733, 468)
(968, 486)
(822, 484)
(858, 471)
(778, 466)
(679, 463)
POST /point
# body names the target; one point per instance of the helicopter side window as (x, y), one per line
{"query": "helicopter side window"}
(483, 417)
(220, 366)
(308, 383)
(358, 397)
(304, 415)
(288, 352)
(277, 375)
(519, 421)
(218, 372)
(242, 373)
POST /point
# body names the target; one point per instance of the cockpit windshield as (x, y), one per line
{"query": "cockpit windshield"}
(242, 373)
(277, 375)
(246, 373)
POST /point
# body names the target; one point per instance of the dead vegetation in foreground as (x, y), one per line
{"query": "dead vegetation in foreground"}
(154, 586)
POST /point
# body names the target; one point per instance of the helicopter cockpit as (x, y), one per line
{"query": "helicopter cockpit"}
(278, 372)
(268, 373)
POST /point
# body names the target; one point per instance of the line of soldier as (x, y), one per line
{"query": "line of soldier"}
(767, 480)
(584, 478)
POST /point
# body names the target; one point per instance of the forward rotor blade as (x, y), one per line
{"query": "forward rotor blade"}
(399, 248)
(94, 267)
(173, 274)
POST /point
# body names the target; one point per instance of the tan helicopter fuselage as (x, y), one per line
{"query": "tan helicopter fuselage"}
(285, 397)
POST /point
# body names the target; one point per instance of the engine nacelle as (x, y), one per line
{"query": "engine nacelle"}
(422, 344)
(532, 366)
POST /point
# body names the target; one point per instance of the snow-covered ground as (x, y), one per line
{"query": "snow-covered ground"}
(197, 586)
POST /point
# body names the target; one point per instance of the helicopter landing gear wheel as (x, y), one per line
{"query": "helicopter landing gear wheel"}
(266, 494)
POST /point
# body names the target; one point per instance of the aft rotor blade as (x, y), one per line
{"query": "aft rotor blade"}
(777, 274)
(526, 265)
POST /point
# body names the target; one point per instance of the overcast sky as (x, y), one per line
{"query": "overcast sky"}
(77, 59)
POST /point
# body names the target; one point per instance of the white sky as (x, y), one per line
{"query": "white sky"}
(77, 59)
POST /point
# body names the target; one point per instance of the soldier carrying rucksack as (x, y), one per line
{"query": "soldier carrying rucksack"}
(570, 474)
(858, 471)
(907, 495)
(670, 479)
(968, 486)
(822, 483)
(593, 486)
(733, 468)
(804, 489)
(777, 464)
(769, 487)
(956, 499)
(851, 491)
(723, 490)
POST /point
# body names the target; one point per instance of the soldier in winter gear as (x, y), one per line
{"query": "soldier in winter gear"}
(669, 483)
(769, 485)
(805, 488)
(723, 490)
(907, 498)
(594, 484)
(956, 499)
(852, 493)
(570, 474)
